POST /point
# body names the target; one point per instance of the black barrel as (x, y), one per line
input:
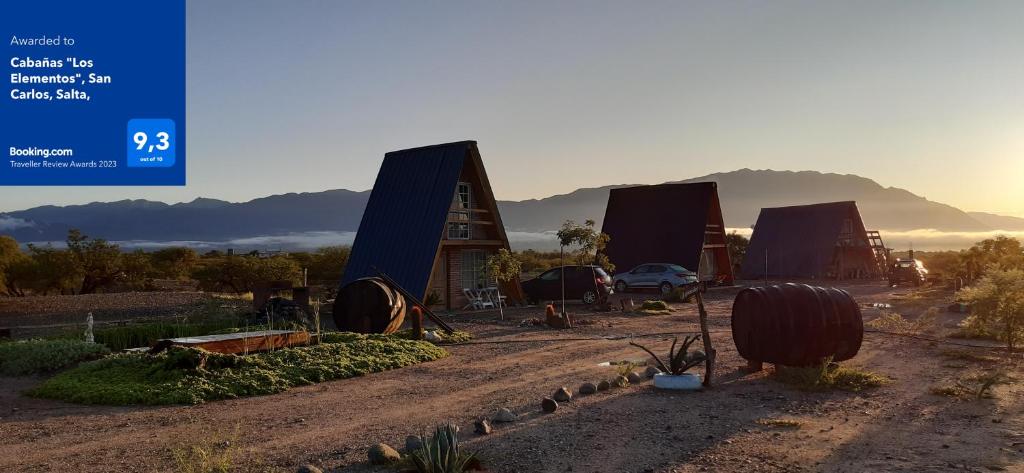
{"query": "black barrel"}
(796, 324)
(369, 305)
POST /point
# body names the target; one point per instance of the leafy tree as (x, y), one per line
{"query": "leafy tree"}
(137, 269)
(535, 262)
(98, 261)
(589, 245)
(241, 273)
(1001, 252)
(503, 266)
(997, 304)
(174, 263)
(10, 253)
(737, 245)
(324, 265)
(45, 269)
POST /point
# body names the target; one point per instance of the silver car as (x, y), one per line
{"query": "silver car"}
(661, 276)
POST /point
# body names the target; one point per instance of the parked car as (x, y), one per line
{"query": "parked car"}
(580, 283)
(661, 276)
(907, 271)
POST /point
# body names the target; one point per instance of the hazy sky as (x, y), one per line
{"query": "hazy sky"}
(288, 96)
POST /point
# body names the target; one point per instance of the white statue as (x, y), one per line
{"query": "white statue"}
(88, 329)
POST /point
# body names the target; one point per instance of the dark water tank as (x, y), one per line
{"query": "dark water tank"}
(369, 305)
(796, 324)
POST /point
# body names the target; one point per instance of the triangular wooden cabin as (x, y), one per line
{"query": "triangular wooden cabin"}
(817, 241)
(668, 223)
(430, 223)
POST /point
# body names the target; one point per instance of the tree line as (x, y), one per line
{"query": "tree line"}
(90, 265)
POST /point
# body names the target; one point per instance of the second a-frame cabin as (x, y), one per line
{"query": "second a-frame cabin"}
(430, 224)
(668, 223)
(817, 241)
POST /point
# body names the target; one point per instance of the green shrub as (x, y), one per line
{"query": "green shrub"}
(40, 356)
(654, 305)
(190, 376)
(441, 453)
(828, 375)
(678, 294)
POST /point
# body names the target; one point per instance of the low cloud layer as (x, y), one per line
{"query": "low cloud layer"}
(922, 239)
(10, 223)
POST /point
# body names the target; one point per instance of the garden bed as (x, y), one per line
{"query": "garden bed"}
(191, 376)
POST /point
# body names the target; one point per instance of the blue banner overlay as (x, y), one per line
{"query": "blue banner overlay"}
(83, 79)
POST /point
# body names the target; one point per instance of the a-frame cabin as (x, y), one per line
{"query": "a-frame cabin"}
(817, 241)
(431, 223)
(668, 223)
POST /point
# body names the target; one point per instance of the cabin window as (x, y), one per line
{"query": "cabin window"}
(462, 196)
(458, 226)
(473, 275)
(459, 218)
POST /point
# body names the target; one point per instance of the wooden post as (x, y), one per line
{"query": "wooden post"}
(417, 323)
(709, 350)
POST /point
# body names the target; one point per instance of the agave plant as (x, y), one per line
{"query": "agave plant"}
(441, 454)
(678, 361)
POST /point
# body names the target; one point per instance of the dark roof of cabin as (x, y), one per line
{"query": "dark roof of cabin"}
(663, 222)
(404, 219)
(800, 239)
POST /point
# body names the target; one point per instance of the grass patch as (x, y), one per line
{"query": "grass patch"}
(654, 305)
(144, 335)
(190, 376)
(41, 356)
(971, 332)
(953, 390)
(977, 386)
(890, 321)
(781, 423)
(828, 375)
(966, 355)
(206, 456)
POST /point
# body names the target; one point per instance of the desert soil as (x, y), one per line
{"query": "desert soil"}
(898, 427)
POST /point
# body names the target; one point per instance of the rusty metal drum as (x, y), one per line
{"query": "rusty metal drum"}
(369, 305)
(796, 324)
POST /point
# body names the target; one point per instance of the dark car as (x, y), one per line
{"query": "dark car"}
(907, 271)
(586, 283)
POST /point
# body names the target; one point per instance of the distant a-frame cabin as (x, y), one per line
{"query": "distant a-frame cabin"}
(668, 223)
(817, 241)
(430, 224)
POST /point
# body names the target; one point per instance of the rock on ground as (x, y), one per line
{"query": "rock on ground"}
(634, 377)
(504, 415)
(549, 405)
(383, 454)
(562, 395)
(413, 443)
(651, 371)
(482, 427)
(588, 388)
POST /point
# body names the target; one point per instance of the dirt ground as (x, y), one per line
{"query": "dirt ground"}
(898, 427)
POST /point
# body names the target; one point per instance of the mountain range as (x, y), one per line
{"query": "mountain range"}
(743, 193)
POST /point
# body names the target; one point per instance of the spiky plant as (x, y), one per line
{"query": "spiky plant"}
(678, 361)
(441, 454)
